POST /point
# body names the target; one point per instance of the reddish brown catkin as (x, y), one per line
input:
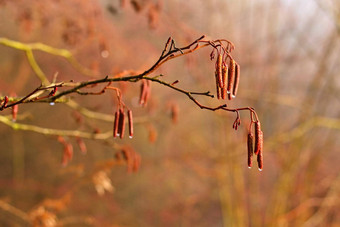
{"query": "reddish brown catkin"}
(260, 155)
(152, 134)
(237, 80)
(218, 90)
(130, 119)
(129, 158)
(61, 140)
(116, 124)
(145, 92)
(230, 96)
(258, 137)
(142, 93)
(15, 109)
(121, 123)
(148, 91)
(260, 160)
(225, 81)
(81, 145)
(67, 154)
(64, 159)
(136, 162)
(250, 148)
(126, 154)
(219, 70)
(69, 149)
(231, 76)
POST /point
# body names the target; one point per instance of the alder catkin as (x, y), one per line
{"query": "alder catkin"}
(81, 145)
(121, 123)
(258, 138)
(136, 162)
(15, 109)
(260, 160)
(152, 134)
(64, 159)
(231, 73)
(218, 90)
(219, 70)
(116, 124)
(130, 119)
(259, 144)
(250, 148)
(142, 93)
(224, 81)
(69, 150)
(147, 92)
(236, 80)
(128, 156)
(225, 75)
(67, 153)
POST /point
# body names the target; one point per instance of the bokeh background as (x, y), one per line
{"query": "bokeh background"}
(194, 171)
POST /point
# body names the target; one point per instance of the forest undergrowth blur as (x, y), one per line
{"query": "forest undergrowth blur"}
(184, 166)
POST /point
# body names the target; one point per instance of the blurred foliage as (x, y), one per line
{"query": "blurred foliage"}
(194, 172)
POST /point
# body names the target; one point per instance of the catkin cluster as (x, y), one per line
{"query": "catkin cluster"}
(131, 157)
(256, 148)
(227, 79)
(119, 123)
(227, 76)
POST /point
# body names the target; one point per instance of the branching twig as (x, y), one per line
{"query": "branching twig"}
(47, 49)
(15, 211)
(226, 83)
(55, 132)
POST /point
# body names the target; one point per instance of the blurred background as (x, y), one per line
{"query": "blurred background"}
(194, 168)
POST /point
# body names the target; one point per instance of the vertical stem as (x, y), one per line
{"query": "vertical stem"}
(36, 68)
